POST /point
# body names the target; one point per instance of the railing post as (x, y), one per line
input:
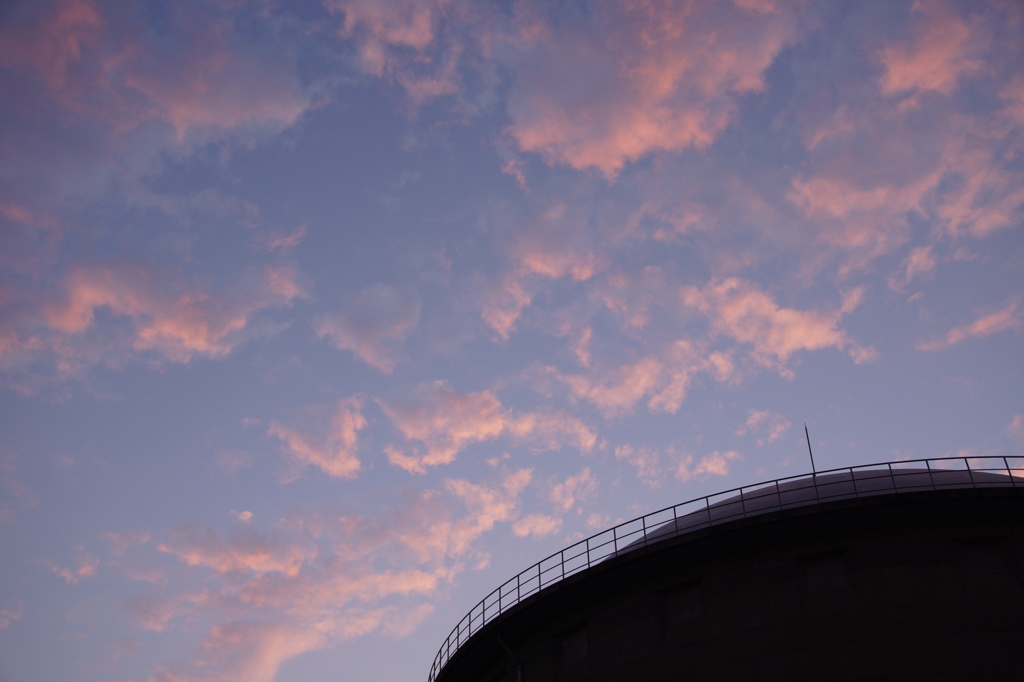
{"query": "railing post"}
(1006, 463)
(615, 542)
(970, 474)
(588, 552)
(562, 555)
(643, 527)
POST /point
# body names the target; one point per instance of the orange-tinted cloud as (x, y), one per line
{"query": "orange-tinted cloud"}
(373, 325)
(445, 421)
(1007, 318)
(333, 444)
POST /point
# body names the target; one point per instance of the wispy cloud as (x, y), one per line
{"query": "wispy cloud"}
(331, 442)
(646, 460)
(115, 311)
(715, 464)
(574, 489)
(943, 49)
(85, 567)
(772, 424)
(743, 312)
(373, 325)
(1007, 318)
(445, 421)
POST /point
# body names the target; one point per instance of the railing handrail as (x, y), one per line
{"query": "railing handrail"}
(518, 588)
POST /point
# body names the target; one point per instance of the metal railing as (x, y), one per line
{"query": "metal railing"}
(737, 503)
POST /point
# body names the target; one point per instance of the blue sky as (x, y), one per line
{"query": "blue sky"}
(319, 320)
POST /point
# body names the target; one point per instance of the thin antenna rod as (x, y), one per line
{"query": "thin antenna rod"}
(809, 452)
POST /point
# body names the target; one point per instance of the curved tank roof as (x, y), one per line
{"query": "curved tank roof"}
(825, 487)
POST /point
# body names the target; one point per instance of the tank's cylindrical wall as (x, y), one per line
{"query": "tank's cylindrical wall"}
(917, 586)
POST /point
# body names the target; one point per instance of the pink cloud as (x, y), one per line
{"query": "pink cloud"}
(646, 460)
(504, 304)
(9, 616)
(715, 464)
(255, 651)
(152, 613)
(175, 325)
(633, 79)
(56, 44)
(486, 505)
(636, 78)
(114, 311)
(243, 552)
(773, 424)
(662, 378)
(317, 580)
(1015, 429)
(398, 40)
(580, 487)
(743, 312)
(85, 568)
(282, 243)
(619, 390)
(118, 74)
(557, 244)
(333, 446)
(16, 494)
(634, 295)
(539, 525)
(446, 421)
(919, 262)
(939, 55)
(1005, 319)
(373, 325)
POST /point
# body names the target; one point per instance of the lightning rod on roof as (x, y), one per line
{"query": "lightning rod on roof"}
(809, 452)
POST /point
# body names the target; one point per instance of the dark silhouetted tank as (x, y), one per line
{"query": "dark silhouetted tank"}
(895, 571)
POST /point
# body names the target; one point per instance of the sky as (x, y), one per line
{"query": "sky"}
(319, 319)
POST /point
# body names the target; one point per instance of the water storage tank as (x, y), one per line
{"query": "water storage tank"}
(897, 571)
